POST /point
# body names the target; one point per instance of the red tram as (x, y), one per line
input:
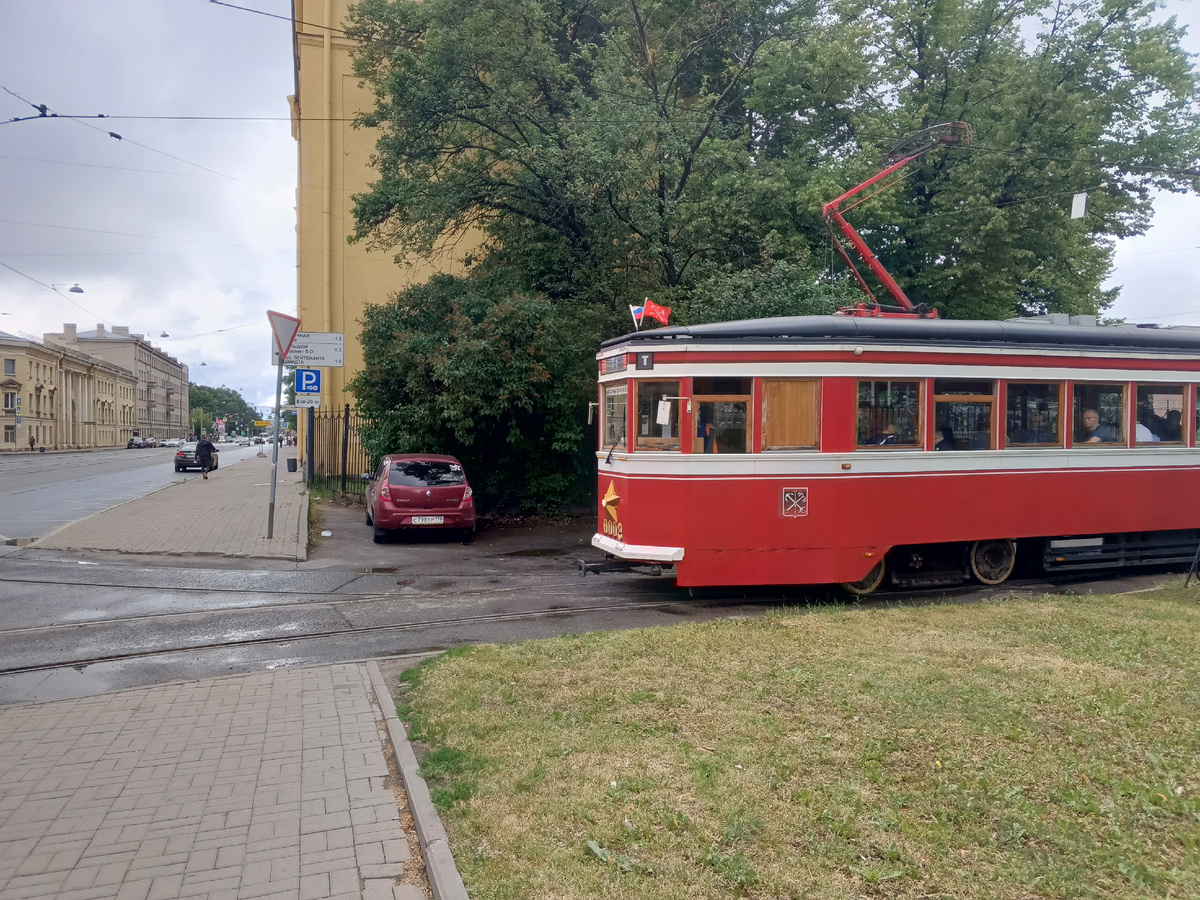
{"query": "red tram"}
(850, 449)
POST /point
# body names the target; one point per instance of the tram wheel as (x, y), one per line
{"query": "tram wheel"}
(867, 585)
(993, 561)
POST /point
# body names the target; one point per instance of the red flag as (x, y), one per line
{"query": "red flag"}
(654, 311)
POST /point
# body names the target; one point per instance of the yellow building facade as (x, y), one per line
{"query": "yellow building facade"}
(336, 280)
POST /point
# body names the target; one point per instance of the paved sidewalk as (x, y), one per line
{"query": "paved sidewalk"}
(272, 785)
(225, 515)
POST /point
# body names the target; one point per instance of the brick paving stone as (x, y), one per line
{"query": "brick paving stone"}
(271, 785)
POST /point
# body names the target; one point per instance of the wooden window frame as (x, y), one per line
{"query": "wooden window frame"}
(990, 399)
(650, 444)
(816, 411)
(1060, 427)
(918, 409)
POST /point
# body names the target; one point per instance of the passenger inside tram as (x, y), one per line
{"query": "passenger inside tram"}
(947, 442)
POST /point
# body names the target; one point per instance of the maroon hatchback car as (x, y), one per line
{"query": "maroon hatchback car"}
(419, 491)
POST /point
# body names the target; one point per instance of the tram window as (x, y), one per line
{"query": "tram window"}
(1159, 413)
(790, 414)
(658, 415)
(616, 398)
(889, 414)
(963, 414)
(721, 407)
(1099, 414)
(1032, 418)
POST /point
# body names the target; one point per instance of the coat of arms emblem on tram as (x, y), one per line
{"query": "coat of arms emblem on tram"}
(795, 502)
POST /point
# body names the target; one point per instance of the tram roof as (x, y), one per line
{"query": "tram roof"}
(822, 329)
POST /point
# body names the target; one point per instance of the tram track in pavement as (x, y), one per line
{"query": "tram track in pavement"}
(439, 624)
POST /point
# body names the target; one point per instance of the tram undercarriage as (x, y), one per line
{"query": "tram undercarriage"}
(993, 561)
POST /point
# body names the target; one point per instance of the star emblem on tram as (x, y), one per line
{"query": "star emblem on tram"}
(611, 499)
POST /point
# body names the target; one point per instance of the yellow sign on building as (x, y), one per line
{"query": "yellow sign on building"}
(261, 424)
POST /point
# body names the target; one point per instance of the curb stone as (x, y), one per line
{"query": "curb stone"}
(443, 875)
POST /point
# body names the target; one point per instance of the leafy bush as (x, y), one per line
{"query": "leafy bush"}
(499, 378)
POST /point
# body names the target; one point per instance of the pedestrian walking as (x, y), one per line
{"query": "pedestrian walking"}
(204, 454)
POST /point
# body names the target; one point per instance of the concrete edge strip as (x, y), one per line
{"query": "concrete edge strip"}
(443, 874)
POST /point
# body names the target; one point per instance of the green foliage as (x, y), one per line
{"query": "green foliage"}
(218, 403)
(609, 152)
(498, 378)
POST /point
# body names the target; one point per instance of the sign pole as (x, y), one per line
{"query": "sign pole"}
(275, 451)
(283, 329)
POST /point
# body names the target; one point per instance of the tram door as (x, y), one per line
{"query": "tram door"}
(722, 415)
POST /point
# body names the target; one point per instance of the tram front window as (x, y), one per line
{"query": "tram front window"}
(657, 415)
(722, 406)
(616, 398)
(889, 414)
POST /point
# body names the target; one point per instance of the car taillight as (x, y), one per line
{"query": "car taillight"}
(467, 494)
(181, 453)
(385, 491)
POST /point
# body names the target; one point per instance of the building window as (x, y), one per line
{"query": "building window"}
(10, 434)
(10, 367)
(791, 414)
(658, 415)
(10, 400)
(1099, 414)
(889, 413)
(1159, 413)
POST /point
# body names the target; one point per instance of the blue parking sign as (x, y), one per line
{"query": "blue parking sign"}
(308, 381)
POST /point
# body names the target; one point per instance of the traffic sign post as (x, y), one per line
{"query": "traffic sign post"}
(283, 329)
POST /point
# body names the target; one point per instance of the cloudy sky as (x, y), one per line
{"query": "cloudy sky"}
(186, 225)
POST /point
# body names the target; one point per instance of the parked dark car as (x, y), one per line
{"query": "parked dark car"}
(149, 442)
(417, 491)
(185, 457)
(135, 443)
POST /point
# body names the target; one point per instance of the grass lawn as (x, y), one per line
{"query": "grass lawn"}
(1013, 749)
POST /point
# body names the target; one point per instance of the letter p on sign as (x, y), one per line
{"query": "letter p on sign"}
(308, 381)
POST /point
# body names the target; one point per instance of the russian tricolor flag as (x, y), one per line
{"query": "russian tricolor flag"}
(637, 312)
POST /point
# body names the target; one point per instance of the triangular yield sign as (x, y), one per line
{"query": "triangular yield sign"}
(284, 328)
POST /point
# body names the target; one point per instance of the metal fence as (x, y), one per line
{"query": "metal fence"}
(334, 455)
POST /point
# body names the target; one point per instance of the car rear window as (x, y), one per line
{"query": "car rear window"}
(426, 474)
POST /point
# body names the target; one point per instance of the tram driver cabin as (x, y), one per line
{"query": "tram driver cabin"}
(855, 450)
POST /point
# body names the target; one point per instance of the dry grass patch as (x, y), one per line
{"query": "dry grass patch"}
(1042, 748)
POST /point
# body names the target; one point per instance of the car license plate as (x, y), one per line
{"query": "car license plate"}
(428, 520)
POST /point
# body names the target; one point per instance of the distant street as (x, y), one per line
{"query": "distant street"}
(40, 492)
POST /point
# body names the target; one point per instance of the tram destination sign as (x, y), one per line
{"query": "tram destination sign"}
(314, 348)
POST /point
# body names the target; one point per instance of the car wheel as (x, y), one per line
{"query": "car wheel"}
(177, 469)
(467, 534)
(370, 521)
(379, 535)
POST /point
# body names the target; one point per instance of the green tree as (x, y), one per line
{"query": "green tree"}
(218, 403)
(604, 148)
(609, 151)
(498, 378)
(1089, 96)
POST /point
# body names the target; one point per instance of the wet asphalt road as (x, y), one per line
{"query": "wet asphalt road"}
(40, 492)
(102, 622)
